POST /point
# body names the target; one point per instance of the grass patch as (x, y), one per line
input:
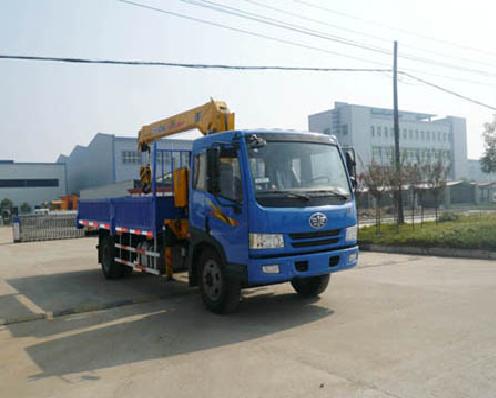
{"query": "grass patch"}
(466, 232)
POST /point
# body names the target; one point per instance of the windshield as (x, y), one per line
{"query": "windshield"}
(300, 170)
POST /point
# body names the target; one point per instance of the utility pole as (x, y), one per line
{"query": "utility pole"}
(399, 202)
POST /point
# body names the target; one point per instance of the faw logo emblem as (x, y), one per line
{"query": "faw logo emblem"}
(317, 220)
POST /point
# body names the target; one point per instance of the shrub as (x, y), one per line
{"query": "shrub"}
(448, 216)
(25, 208)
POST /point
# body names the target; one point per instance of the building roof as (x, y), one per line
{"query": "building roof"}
(388, 111)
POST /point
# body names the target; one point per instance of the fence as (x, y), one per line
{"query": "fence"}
(45, 227)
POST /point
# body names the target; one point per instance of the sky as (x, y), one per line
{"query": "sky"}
(48, 108)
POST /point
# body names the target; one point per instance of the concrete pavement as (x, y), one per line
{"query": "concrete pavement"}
(397, 326)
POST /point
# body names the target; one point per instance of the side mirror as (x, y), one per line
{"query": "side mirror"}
(213, 170)
(256, 142)
(350, 162)
(354, 183)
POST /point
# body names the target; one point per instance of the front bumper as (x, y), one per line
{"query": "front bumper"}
(301, 265)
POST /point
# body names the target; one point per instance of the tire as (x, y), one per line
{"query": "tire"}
(126, 270)
(110, 269)
(311, 286)
(220, 294)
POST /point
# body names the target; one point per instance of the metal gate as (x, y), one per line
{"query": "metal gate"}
(45, 227)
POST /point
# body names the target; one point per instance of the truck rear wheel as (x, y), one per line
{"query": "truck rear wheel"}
(311, 286)
(220, 294)
(110, 269)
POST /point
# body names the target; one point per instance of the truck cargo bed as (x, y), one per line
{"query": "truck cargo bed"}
(144, 214)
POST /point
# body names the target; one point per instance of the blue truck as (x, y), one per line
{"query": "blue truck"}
(242, 208)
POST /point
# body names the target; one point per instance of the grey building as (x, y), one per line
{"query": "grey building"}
(33, 183)
(371, 132)
(108, 159)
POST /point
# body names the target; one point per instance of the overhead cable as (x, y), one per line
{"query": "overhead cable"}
(447, 90)
(239, 67)
(187, 65)
(322, 35)
(248, 32)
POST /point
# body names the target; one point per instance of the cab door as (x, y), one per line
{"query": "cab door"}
(225, 204)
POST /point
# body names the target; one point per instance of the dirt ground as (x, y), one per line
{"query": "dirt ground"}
(396, 326)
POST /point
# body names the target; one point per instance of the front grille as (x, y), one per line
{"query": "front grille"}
(315, 242)
(314, 238)
(314, 234)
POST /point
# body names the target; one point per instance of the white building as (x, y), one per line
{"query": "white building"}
(371, 132)
(31, 183)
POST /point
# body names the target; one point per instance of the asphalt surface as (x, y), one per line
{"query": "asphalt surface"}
(396, 326)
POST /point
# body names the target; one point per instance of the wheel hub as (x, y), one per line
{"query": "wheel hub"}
(212, 277)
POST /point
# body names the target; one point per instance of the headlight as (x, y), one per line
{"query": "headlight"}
(266, 241)
(351, 234)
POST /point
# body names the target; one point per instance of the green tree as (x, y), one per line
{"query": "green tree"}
(436, 177)
(377, 179)
(6, 203)
(25, 208)
(488, 161)
(414, 177)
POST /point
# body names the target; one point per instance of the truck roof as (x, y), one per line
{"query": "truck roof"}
(244, 132)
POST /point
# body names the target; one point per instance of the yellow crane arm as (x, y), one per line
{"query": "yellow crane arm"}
(212, 117)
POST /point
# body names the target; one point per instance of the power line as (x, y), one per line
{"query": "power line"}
(187, 65)
(280, 24)
(361, 33)
(276, 39)
(322, 35)
(448, 91)
(393, 28)
(247, 32)
(238, 67)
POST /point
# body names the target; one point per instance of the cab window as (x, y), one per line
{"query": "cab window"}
(230, 186)
(200, 172)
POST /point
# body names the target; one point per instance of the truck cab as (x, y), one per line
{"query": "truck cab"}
(267, 207)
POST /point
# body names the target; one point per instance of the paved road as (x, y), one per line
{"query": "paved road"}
(397, 326)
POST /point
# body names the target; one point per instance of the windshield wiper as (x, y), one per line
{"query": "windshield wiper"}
(332, 192)
(290, 193)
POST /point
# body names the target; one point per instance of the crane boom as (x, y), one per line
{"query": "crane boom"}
(212, 117)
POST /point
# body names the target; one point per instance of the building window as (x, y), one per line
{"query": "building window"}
(131, 157)
(444, 136)
(327, 131)
(165, 159)
(428, 135)
(372, 131)
(386, 132)
(422, 135)
(344, 129)
(378, 131)
(439, 136)
(29, 182)
(410, 134)
(416, 135)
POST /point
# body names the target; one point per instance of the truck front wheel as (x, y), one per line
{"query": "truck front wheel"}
(220, 294)
(311, 286)
(110, 269)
